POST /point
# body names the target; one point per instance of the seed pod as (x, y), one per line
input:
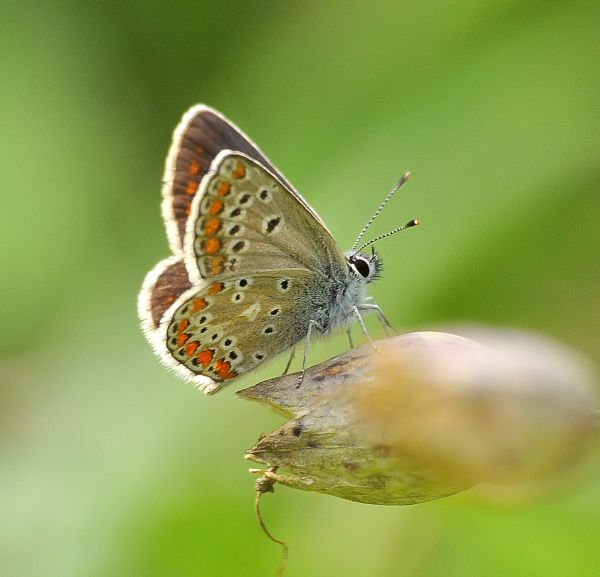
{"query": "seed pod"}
(424, 416)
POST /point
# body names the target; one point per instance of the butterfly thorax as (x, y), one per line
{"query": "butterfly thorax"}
(347, 290)
(346, 294)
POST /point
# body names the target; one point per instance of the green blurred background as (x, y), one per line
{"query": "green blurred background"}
(112, 466)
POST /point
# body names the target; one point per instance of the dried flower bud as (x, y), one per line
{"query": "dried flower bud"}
(424, 416)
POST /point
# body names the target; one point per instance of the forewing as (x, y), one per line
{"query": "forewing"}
(200, 136)
(244, 219)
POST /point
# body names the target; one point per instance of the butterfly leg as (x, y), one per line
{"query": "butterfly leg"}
(311, 324)
(386, 324)
(289, 363)
(350, 337)
(382, 318)
(363, 328)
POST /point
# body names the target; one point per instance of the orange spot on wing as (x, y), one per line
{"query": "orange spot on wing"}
(198, 305)
(205, 357)
(181, 338)
(212, 245)
(212, 226)
(199, 150)
(239, 171)
(215, 207)
(183, 324)
(190, 348)
(223, 369)
(191, 187)
(169, 299)
(194, 168)
(215, 288)
(223, 188)
(216, 265)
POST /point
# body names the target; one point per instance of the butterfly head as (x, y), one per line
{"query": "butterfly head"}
(365, 267)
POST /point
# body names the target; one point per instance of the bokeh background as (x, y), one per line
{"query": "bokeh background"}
(112, 466)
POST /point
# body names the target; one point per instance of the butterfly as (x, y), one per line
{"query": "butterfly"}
(254, 269)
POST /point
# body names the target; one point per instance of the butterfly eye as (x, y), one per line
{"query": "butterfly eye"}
(362, 266)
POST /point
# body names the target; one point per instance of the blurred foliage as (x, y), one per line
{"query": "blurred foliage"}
(111, 466)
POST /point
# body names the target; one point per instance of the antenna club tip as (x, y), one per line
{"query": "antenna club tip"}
(404, 177)
(411, 223)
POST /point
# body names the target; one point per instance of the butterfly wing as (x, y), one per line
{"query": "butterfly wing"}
(199, 137)
(231, 326)
(242, 222)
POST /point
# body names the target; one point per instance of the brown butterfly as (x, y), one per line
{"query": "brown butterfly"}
(254, 269)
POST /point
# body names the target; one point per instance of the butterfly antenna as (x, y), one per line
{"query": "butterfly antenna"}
(409, 224)
(391, 193)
